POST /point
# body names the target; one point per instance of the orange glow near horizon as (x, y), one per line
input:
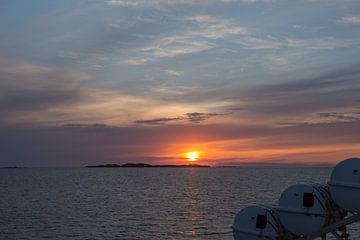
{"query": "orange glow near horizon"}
(233, 152)
(192, 156)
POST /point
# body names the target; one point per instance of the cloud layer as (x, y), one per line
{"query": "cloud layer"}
(80, 144)
(127, 80)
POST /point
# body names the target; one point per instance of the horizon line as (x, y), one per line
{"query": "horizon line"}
(262, 164)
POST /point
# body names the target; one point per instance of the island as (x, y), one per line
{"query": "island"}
(145, 165)
(11, 167)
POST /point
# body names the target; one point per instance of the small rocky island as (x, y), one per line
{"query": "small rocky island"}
(144, 165)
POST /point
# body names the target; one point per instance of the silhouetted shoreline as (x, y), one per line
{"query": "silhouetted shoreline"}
(144, 165)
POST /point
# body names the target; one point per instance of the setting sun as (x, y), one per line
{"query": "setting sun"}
(192, 156)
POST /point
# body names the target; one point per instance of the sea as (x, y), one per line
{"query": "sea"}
(139, 203)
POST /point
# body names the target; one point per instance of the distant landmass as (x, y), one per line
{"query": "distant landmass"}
(144, 165)
(11, 167)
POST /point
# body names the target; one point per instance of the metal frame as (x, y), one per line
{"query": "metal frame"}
(333, 229)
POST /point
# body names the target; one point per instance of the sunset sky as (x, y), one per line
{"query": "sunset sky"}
(237, 81)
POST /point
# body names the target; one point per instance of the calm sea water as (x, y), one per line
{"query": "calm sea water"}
(137, 203)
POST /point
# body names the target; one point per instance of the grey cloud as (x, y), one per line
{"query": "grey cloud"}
(343, 77)
(197, 117)
(329, 91)
(335, 89)
(341, 116)
(79, 146)
(28, 88)
(82, 125)
(36, 99)
(157, 121)
(355, 20)
(235, 109)
(178, 2)
(194, 117)
(270, 162)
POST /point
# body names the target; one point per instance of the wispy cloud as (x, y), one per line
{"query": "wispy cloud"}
(305, 45)
(355, 20)
(203, 32)
(198, 117)
(174, 46)
(291, 99)
(193, 117)
(157, 121)
(338, 116)
(30, 88)
(214, 27)
(293, 50)
(173, 72)
(198, 37)
(177, 2)
(33, 94)
(250, 42)
(84, 125)
(140, 61)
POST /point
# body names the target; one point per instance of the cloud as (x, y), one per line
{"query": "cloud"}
(136, 62)
(80, 146)
(336, 116)
(214, 27)
(257, 43)
(307, 44)
(281, 53)
(174, 46)
(193, 117)
(200, 33)
(30, 88)
(99, 56)
(292, 99)
(355, 20)
(36, 94)
(198, 37)
(157, 121)
(173, 72)
(332, 90)
(203, 32)
(197, 117)
(135, 3)
(82, 125)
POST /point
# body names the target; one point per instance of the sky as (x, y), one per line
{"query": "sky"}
(238, 81)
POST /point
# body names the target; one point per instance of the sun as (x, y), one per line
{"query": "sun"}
(192, 156)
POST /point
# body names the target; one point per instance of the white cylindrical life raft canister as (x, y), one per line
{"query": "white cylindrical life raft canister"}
(305, 209)
(255, 223)
(344, 184)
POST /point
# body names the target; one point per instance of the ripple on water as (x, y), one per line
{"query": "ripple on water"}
(139, 203)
